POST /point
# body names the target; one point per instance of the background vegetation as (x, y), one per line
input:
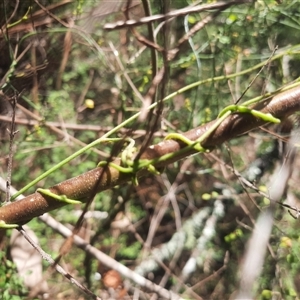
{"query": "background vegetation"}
(186, 229)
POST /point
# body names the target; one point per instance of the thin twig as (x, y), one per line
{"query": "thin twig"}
(171, 14)
(256, 76)
(78, 127)
(58, 268)
(12, 134)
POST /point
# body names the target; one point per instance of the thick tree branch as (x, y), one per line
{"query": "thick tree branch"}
(99, 179)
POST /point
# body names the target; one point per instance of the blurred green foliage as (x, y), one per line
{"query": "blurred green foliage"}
(11, 285)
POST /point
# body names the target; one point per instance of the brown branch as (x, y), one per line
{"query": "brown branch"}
(36, 19)
(99, 179)
(78, 127)
(172, 14)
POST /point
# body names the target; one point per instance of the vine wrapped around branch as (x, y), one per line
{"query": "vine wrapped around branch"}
(82, 187)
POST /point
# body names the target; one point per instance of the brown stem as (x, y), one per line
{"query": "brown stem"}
(82, 186)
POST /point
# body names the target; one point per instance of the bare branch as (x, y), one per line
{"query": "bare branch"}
(108, 261)
(172, 14)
